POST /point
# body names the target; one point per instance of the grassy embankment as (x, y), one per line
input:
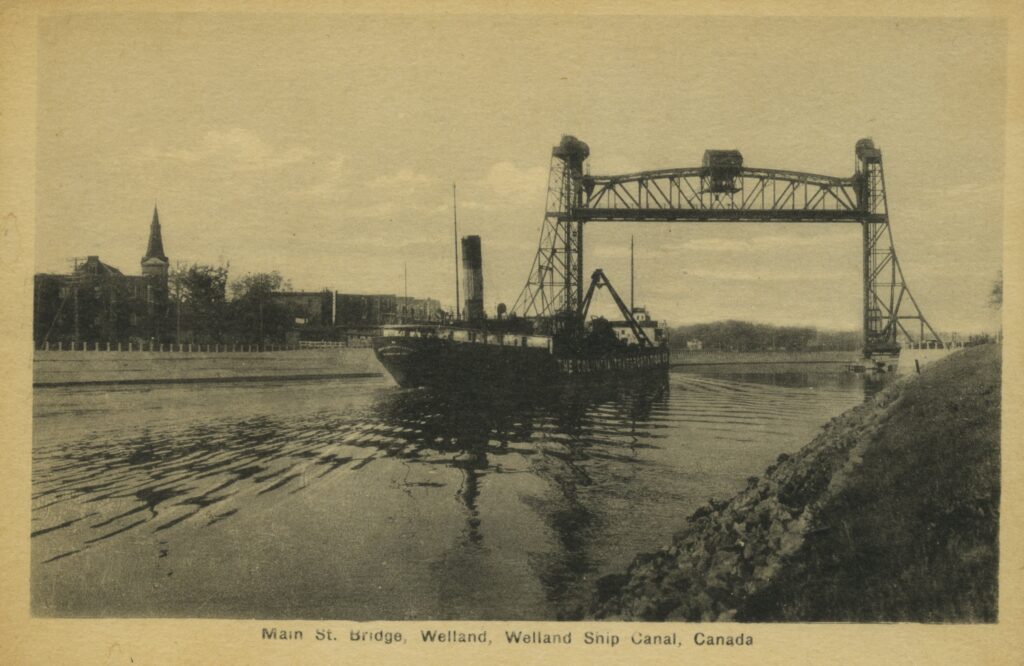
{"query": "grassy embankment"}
(914, 534)
(890, 514)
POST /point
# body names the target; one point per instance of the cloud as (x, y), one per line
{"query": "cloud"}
(968, 191)
(607, 165)
(237, 148)
(331, 179)
(511, 183)
(764, 274)
(754, 244)
(376, 195)
(402, 179)
(384, 196)
(381, 209)
(718, 245)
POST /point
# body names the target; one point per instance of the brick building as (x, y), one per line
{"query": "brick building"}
(355, 310)
(307, 308)
(326, 308)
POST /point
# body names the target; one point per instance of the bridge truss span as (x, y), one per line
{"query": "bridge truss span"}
(722, 190)
(693, 194)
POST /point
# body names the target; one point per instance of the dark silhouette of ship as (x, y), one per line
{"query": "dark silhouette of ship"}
(557, 343)
(511, 355)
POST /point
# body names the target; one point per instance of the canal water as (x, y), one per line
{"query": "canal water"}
(360, 500)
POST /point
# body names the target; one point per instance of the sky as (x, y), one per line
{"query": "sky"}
(325, 147)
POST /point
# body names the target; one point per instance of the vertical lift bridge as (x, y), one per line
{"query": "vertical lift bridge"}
(722, 190)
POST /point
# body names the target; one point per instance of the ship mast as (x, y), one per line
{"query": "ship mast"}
(631, 275)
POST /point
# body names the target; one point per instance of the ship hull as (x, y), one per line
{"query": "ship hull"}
(441, 363)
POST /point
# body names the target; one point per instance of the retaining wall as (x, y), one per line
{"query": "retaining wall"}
(63, 368)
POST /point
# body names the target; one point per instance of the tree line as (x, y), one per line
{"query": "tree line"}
(207, 308)
(745, 336)
(733, 335)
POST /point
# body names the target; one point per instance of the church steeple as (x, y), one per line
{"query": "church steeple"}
(155, 263)
(155, 249)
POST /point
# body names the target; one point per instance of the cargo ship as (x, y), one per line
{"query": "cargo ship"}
(548, 337)
(510, 352)
(453, 357)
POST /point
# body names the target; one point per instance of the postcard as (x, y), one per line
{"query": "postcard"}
(671, 333)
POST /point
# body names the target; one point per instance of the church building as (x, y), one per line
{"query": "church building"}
(97, 303)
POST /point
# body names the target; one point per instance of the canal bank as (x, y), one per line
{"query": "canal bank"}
(891, 513)
(83, 368)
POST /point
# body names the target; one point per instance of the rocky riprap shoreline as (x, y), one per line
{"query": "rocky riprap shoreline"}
(732, 549)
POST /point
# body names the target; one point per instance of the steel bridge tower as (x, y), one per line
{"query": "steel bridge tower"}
(888, 302)
(721, 190)
(555, 285)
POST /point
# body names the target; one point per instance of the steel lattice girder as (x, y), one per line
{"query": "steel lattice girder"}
(688, 190)
(716, 215)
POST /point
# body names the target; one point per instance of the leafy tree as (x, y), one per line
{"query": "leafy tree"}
(255, 315)
(199, 292)
(996, 296)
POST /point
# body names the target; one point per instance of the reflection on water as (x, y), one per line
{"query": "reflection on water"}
(471, 506)
(819, 378)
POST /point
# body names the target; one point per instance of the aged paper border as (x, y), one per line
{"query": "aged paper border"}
(24, 639)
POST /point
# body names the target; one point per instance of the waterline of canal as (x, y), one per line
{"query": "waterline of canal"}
(359, 500)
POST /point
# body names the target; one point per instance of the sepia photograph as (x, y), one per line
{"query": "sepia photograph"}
(652, 329)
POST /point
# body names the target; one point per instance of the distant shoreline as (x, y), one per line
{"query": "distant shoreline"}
(703, 358)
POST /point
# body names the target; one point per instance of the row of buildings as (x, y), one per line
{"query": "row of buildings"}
(333, 308)
(97, 302)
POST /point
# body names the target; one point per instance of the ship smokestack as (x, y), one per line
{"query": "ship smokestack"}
(473, 278)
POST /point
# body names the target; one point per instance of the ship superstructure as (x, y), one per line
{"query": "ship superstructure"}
(511, 351)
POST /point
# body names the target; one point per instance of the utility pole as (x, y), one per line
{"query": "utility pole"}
(74, 287)
(405, 271)
(75, 279)
(455, 218)
(177, 299)
(177, 334)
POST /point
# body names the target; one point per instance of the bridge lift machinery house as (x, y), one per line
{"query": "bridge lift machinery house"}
(722, 190)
